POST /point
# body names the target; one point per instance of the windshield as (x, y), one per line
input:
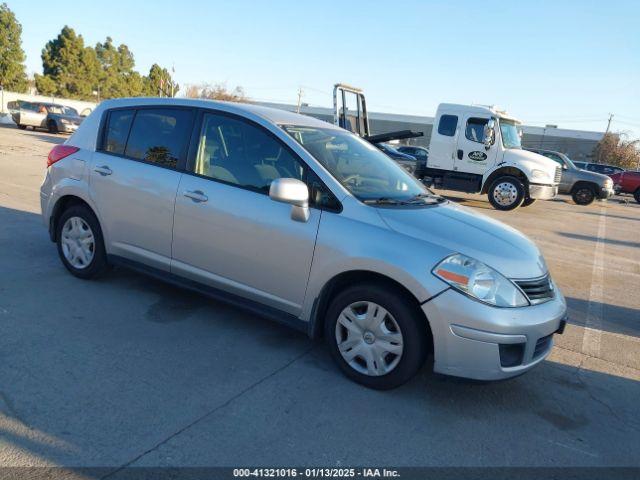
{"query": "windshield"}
(510, 136)
(361, 168)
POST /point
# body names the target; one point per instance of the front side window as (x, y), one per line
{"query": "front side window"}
(243, 154)
(448, 125)
(117, 131)
(361, 168)
(159, 135)
(475, 129)
(510, 134)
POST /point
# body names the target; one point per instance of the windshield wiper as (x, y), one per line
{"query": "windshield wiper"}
(425, 198)
(382, 201)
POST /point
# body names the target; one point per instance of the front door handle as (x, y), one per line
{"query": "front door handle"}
(196, 195)
(460, 154)
(104, 170)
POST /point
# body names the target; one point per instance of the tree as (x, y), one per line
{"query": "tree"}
(118, 78)
(70, 69)
(159, 82)
(617, 149)
(12, 70)
(218, 91)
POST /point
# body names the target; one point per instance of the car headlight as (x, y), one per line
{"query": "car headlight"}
(474, 278)
(540, 175)
(608, 183)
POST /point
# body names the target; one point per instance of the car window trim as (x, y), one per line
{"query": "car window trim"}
(193, 150)
(182, 158)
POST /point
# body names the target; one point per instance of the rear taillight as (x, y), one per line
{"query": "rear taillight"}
(59, 152)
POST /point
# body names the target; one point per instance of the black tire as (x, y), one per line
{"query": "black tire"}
(528, 201)
(408, 317)
(52, 127)
(22, 127)
(514, 185)
(583, 195)
(636, 195)
(98, 264)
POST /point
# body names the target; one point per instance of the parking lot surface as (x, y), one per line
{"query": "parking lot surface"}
(128, 371)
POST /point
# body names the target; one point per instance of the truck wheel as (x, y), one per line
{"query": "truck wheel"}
(506, 193)
(528, 201)
(22, 127)
(583, 195)
(636, 195)
(376, 336)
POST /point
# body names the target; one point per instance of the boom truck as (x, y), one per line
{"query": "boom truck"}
(473, 149)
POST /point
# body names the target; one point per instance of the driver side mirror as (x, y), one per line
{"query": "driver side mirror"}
(489, 134)
(295, 193)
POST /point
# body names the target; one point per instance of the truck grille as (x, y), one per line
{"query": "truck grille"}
(558, 175)
(537, 290)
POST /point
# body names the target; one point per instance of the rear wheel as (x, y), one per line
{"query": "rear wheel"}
(22, 127)
(506, 193)
(376, 336)
(80, 242)
(636, 195)
(583, 195)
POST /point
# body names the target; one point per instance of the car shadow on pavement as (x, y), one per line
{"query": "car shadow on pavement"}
(615, 319)
(592, 238)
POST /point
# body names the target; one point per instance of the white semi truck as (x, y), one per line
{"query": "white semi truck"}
(473, 149)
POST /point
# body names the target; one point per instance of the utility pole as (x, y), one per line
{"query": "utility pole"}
(609, 123)
(299, 99)
(605, 132)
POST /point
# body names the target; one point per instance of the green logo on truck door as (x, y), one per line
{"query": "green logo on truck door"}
(477, 156)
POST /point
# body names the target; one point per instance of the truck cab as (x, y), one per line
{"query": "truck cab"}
(477, 149)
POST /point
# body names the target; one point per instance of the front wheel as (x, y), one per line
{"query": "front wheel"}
(376, 336)
(636, 195)
(22, 127)
(506, 193)
(52, 127)
(583, 195)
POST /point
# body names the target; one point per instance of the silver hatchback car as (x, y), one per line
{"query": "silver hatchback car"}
(305, 223)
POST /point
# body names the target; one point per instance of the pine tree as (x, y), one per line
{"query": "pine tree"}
(12, 70)
(70, 69)
(159, 82)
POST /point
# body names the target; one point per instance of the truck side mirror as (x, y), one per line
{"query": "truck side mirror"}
(489, 134)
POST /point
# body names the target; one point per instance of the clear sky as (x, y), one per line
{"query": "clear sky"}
(569, 63)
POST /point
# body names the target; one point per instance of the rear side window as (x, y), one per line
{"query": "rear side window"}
(447, 125)
(159, 135)
(117, 131)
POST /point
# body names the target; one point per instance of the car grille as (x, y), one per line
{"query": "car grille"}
(558, 176)
(537, 290)
(542, 345)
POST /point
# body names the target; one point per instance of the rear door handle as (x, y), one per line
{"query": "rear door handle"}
(197, 196)
(104, 170)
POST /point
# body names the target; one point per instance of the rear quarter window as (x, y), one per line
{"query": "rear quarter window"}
(117, 131)
(447, 125)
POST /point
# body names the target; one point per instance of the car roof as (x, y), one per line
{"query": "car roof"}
(273, 115)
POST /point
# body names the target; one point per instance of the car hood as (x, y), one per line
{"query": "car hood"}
(530, 161)
(594, 177)
(71, 118)
(465, 231)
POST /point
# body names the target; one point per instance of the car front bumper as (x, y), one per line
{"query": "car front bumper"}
(67, 127)
(478, 341)
(605, 193)
(542, 192)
